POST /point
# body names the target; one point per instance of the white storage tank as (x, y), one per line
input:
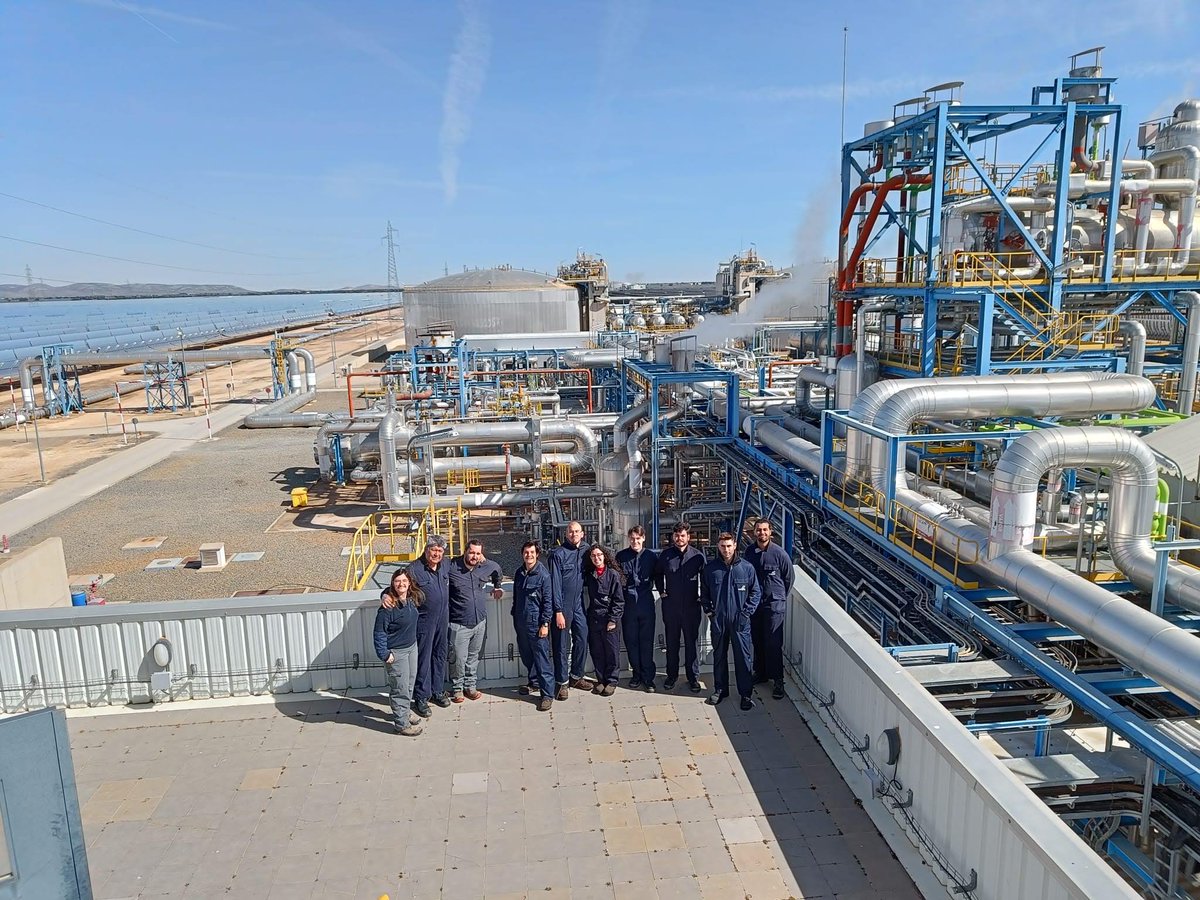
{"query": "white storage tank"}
(492, 301)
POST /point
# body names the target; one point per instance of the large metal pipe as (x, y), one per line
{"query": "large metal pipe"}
(627, 419)
(633, 450)
(1134, 472)
(860, 351)
(1135, 342)
(868, 403)
(790, 446)
(1137, 636)
(282, 413)
(1191, 352)
(596, 359)
(1002, 396)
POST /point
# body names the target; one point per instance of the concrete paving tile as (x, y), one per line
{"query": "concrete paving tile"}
(662, 712)
(463, 881)
(664, 837)
(682, 888)
(548, 875)
(720, 886)
(470, 783)
(589, 872)
(607, 753)
(632, 868)
(624, 840)
(703, 834)
(640, 891)
(619, 815)
(752, 857)
(764, 886)
(647, 789)
(506, 878)
(742, 830)
(656, 812)
(578, 819)
(592, 893)
(616, 792)
(712, 860)
(676, 766)
(671, 863)
(685, 787)
(705, 745)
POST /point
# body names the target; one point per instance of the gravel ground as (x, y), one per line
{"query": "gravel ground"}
(229, 491)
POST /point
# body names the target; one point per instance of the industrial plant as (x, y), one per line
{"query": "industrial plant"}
(981, 462)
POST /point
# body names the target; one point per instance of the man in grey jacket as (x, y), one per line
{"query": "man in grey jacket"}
(473, 581)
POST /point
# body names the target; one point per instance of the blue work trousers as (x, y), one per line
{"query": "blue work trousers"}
(737, 633)
(606, 649)
(432, 647)
(535, 651)
(639, 623)
(682, 618)
(570, 644)
(767, 625)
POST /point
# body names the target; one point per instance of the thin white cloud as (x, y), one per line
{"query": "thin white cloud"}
(366, 44)
(152, 12)
(623, 23)
(464, 84)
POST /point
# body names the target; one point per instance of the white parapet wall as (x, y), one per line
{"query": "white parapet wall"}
(966, 808)
(35, 578)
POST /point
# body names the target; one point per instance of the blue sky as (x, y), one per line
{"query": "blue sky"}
(663, 135)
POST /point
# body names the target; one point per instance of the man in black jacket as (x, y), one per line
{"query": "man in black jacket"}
(677, 577)
(775, 578)
(473, 581)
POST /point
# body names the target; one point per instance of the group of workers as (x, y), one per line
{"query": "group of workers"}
(580, 598)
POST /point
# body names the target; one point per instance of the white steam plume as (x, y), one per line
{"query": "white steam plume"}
(804, 294)
(464, 84)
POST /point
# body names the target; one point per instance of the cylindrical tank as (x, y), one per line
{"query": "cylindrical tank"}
(662, 353)
(683, 355)
(697, 319)
(675, 319)
(845, 389)
(610, 472)
(637, 320)
(656, 320)
(627, 512)
(491, 301)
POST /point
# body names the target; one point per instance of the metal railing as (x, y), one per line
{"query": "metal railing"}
(397, 535)
(923, 538)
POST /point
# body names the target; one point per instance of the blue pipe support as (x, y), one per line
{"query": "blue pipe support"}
(1166, 752)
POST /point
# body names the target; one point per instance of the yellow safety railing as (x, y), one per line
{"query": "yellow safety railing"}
(468, 478)
(558, 473)
(396, 535)
(855, 497)
(924, 538)
(1067, 330)
(963, 181)
(898, 270)
(1156, 266)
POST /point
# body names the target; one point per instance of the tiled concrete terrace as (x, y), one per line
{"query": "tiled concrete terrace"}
(631, 796)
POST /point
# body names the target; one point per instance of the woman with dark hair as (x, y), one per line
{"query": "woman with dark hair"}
(396, 647)
(533, 606)
(604, 591)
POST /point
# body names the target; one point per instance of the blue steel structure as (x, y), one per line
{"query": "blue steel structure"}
(61, 382)
(1060, 305)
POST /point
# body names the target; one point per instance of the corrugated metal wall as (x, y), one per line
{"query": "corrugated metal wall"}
(491, 312)
(100, 655)
(965, 803)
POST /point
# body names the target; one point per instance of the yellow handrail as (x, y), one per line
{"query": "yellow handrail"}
(395, 535)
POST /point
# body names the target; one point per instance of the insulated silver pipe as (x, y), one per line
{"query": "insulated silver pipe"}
(791, 447)
(282, 413)
(1159, 649)
(626, 420)
(633, 451)
(1134, 472)
(1135, 342)
(1191, 352)
(1106, 393)
(868, 403)
(860, 320)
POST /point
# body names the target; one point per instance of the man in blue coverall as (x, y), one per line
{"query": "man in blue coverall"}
(640, 616)
(433, 578)
(568, 631)
(729, 593)
(775, 578)
(677, 577)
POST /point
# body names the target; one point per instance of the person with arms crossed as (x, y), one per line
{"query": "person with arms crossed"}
(532, 609)
(637, 564)
(677, 577)
(775, 577)
(604, 586)
(730, 595)
(568, 631)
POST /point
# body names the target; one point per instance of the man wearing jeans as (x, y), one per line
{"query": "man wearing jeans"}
(473, 580)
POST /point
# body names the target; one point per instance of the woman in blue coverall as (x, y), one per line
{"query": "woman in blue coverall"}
(533, 606)
(604, 591)
(395, 636)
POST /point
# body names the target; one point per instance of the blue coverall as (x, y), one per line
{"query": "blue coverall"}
(775, 578)
(730, 595)
(432, 628)
(533, 607)
(566, 573)
(677, 576)
(640, 614)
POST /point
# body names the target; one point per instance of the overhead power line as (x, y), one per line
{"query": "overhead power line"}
(154, 234)
(40, 277)
(142, 262)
